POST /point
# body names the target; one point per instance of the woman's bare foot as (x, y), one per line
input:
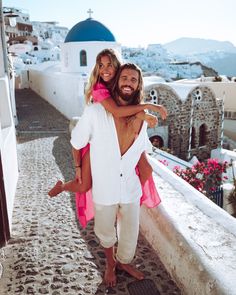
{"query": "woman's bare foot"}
(57, 189)
(131, 270)
(110, 275)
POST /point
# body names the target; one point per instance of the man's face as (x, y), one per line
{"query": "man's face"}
(128, 84)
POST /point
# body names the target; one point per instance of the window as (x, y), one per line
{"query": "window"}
(202, 135)
(153, 95)
(197, 95)
(157, 141)
(83, 58)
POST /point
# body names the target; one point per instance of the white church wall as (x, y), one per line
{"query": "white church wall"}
(62, 90)
(70, 54)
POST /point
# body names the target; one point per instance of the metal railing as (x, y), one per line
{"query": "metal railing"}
(217, 196)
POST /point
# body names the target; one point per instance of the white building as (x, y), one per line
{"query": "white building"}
(62, 84)
(82, 44)
(47, 30)
(8, 156)
(18, 26)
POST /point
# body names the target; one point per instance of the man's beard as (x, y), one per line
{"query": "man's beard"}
(129, 98)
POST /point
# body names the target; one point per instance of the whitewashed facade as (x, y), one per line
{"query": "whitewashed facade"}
(8, 154)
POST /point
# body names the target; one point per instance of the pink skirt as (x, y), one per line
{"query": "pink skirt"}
(84, 201)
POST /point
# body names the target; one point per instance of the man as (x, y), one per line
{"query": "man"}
(116, 145)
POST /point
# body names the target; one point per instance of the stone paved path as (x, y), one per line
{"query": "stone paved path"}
(49, 253)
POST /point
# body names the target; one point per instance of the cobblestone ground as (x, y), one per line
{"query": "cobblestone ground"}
(49, 253)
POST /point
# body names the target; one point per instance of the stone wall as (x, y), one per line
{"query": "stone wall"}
(206, 110)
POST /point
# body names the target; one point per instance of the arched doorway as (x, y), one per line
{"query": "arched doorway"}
(157, 141)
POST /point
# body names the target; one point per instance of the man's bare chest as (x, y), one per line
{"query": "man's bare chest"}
(127, 132)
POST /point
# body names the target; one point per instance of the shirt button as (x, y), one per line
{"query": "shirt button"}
(121, 175)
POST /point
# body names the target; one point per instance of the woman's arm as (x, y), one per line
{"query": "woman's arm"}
(102, 95)
(158, 108)
(149, 118)
(125, 111)
(121, 111)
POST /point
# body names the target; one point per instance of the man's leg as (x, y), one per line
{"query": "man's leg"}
(128, 230)
(104, 228)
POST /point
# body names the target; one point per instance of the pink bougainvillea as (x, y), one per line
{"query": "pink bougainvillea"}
(204, 176)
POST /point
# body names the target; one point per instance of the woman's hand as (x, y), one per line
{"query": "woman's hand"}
(158, 109)
(151, 120)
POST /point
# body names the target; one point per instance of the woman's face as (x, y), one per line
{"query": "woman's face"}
(106, 69)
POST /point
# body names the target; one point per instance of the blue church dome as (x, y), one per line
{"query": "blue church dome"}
(89, 30)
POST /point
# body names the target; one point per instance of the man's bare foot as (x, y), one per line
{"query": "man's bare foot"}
(110, 275)
(131, 270)
(57, 189)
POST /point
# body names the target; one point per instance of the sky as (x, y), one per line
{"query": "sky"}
(137, 23)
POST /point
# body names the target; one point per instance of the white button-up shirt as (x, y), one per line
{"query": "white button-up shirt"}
(114, 179)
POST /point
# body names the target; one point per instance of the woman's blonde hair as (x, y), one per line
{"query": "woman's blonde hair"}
(95, 78)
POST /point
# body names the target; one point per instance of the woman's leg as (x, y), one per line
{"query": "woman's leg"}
(74, 185)
(145, 169)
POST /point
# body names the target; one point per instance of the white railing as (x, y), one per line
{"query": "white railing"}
(194, 238)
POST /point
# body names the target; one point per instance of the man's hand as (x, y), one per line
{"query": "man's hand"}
(158, 109)
(78, 174)
(151, 120)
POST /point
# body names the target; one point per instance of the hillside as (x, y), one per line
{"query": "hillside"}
(218, 55)
(190, 46)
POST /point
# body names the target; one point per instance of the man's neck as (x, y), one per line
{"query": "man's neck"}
(121, 101)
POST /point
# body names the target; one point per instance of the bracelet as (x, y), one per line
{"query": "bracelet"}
(78, 166)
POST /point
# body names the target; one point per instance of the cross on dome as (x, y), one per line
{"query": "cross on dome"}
(90, 12)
